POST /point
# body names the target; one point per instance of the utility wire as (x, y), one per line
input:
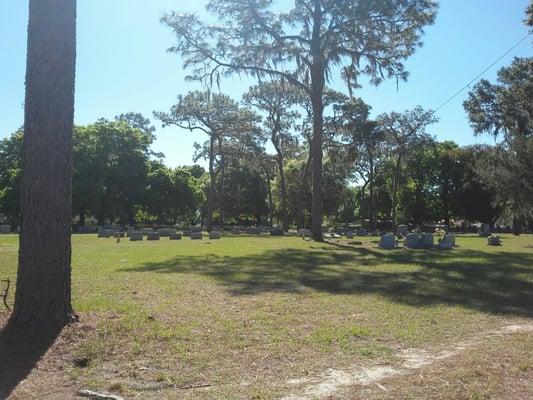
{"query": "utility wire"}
(482, 72)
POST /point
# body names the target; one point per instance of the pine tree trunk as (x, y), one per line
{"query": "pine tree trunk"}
(43, 290)
(318, 82)
(212, 183)
(395, 182)
(283, 189)
(303, 184)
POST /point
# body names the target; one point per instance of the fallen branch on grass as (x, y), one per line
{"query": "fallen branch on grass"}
(98, 396)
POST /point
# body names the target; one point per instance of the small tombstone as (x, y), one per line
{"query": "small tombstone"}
(402, 230)
(427, 241)
(147, 231)
(349, 235)
(304, 233)
(105, 233)
(166, 232)
(196, 229)
(277, 232)
(328, 235)
(214, 235)
(136, 236)
(447, 242)
(253, 230)
(153, 236)
(388, 241)
(235, 230)
(175, 236)
(494, 240)
(196, 235)
(362, 232)
(5, 229)
(411, 241)
(484, 231)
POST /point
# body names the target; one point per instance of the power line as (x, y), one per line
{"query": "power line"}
(482, 72)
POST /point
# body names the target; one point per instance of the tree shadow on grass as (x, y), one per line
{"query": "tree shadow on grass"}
(19, 353)
(496, 283)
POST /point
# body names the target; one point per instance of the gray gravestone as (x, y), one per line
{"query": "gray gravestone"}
(214, 235)
(427, 241)
(175, 236)
(152, 236)
(196, 235)
(411, 241)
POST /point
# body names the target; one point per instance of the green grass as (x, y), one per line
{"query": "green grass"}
(244, 314)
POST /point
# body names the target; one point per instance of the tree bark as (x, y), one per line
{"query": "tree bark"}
(317, 90)
(395, 179)
(303, 183)
(43, 291)
(269, 190)
(371, 193)
(212, 183)
(222, 183)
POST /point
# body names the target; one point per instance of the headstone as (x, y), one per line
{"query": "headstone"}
(402, 230)
(196, 235)
(336, 236)
(362, 232)
(494, 240)
(426, 241)
(485, 230)
(119, 234)
(166, 232)
(152, 236)
(235, 230)
(388, 241)
(5, 229)
(411, 241)
(175, 236)
(196, 229)
(277, 232)
(252, 230)
(214, 235)
(327, 235)
(447, 242)
(105, 233)
(349, 235)
(304, 233)
(136, 236)
(147, 231)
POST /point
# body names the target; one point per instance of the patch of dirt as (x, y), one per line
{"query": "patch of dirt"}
(411, 360)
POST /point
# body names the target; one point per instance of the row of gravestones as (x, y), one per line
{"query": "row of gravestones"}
(6, 229)
(426, 241)
(415, 241)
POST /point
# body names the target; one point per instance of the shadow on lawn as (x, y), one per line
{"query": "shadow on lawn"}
(497, 283)
(19, 354)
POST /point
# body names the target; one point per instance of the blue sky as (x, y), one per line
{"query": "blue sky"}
(123, 64)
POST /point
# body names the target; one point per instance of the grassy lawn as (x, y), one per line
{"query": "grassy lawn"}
(254, 317)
